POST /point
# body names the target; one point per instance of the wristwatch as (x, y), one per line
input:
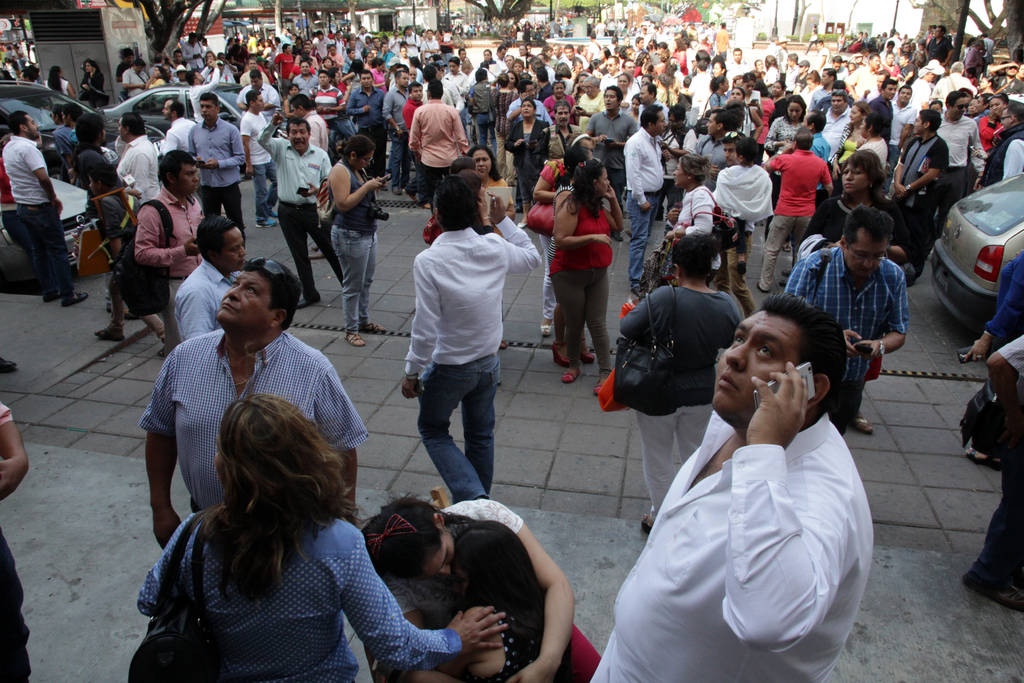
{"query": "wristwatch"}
(881, 348)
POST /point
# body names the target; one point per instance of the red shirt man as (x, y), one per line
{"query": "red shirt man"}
(801, 171)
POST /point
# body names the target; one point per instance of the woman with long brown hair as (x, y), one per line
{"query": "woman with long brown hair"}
(283, 566)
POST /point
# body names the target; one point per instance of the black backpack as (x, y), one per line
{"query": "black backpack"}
(178, 645)
(145, 289)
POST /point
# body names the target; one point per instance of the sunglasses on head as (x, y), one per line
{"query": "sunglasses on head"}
(266, 264)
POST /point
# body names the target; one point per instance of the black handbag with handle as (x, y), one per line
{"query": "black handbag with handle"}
(984, 420)
(642, 370)
(178, 645)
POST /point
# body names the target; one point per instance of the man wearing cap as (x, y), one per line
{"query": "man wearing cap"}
(925, 83)
(800, 83)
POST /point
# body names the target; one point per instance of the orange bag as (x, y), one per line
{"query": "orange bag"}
(606, 395)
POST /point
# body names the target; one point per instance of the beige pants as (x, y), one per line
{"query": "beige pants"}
(728, 279)
(782, 228)
(505, 162)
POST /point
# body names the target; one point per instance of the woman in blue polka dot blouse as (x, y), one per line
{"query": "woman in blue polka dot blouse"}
(283, 566)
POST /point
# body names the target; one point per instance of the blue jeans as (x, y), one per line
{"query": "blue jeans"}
(485, 132)
(266, 196)
(640, 223)
(357, 252)
(50, 253)
(473, 384)
(1004, 541)
(398, 160)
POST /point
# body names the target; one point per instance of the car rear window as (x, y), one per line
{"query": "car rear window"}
(996, 210)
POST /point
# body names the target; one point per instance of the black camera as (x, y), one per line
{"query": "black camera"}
(377, 213)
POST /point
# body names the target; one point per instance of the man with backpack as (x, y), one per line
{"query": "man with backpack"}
(165, 237)
(481, 108)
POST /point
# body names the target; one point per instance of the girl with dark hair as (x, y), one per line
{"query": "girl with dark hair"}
(579, 270)
(57, 82)
(486, 165)
(874, 124)
(412, 545)
(784, 128)
(354, 233)
(92, 84)
(283, 564)
(700, 321)
(483, 553)
(507, 92)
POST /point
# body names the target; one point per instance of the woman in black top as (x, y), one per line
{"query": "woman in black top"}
(528, 141)
(863, 185)
(92, 85)
(699, 321)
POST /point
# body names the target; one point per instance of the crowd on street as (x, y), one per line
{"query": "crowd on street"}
(842, 168)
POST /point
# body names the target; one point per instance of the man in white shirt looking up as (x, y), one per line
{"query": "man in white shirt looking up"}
(760, 554)
(271, 99)
(457, 328)
(836, 118)
(643, 181)
(176, 136)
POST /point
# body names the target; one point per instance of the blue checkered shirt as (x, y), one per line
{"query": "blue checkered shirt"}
(195, 387)
(880, 306)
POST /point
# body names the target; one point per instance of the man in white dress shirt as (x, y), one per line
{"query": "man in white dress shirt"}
(760, 553)
(643, 180)
(456, 331)
(138, 164)
(176, 136)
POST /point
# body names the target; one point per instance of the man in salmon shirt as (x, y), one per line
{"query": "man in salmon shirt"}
(801, 172)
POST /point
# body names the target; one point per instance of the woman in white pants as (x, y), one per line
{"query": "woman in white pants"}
(699, 321)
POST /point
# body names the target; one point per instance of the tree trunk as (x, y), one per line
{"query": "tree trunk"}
(798, 10)
(1014, 26)
(210, 13)
(277, 17)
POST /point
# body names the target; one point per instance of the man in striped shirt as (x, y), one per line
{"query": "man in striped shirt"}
(330, 104)
(865, 292)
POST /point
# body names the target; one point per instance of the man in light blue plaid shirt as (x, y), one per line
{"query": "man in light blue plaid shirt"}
(204, 375)
(865, 292)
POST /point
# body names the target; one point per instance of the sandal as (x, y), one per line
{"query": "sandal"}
(863, 425)
(373, 328)
(560, 358)
(646, 523)
(986, 460)
(354, 339)
(600, 382)
(586, 356)
(110, 334)
(571, 375)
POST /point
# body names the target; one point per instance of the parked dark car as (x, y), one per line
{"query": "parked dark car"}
(150, 105)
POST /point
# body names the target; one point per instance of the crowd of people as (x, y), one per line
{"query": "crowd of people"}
(760, 533)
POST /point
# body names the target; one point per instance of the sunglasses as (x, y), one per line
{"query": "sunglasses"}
(269, 265)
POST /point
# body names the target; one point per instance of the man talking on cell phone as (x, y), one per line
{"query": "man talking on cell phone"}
(301, 168)
(760, 553)
(866, 293)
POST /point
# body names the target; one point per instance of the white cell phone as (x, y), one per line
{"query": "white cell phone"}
(805, 371)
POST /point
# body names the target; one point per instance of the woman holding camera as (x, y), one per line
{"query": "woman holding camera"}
(354, 234)
(529, 142)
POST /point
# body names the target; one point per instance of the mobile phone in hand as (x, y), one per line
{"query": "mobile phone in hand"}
(806, 372)
(864, 347)
(961, 354)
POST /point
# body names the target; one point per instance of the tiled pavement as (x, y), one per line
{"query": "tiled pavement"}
(555, 449)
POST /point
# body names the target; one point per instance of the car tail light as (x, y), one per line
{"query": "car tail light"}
(989, 260)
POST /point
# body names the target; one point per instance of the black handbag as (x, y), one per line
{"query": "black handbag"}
(984, 420)
(642, 369)
(178, 645)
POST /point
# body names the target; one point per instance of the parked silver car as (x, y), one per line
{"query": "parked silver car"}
(15, 265)
(983, 233)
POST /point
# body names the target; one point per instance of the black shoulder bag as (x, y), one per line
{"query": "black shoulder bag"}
(178, 645)
(145, 289)
(984, 420)
(643, 369)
